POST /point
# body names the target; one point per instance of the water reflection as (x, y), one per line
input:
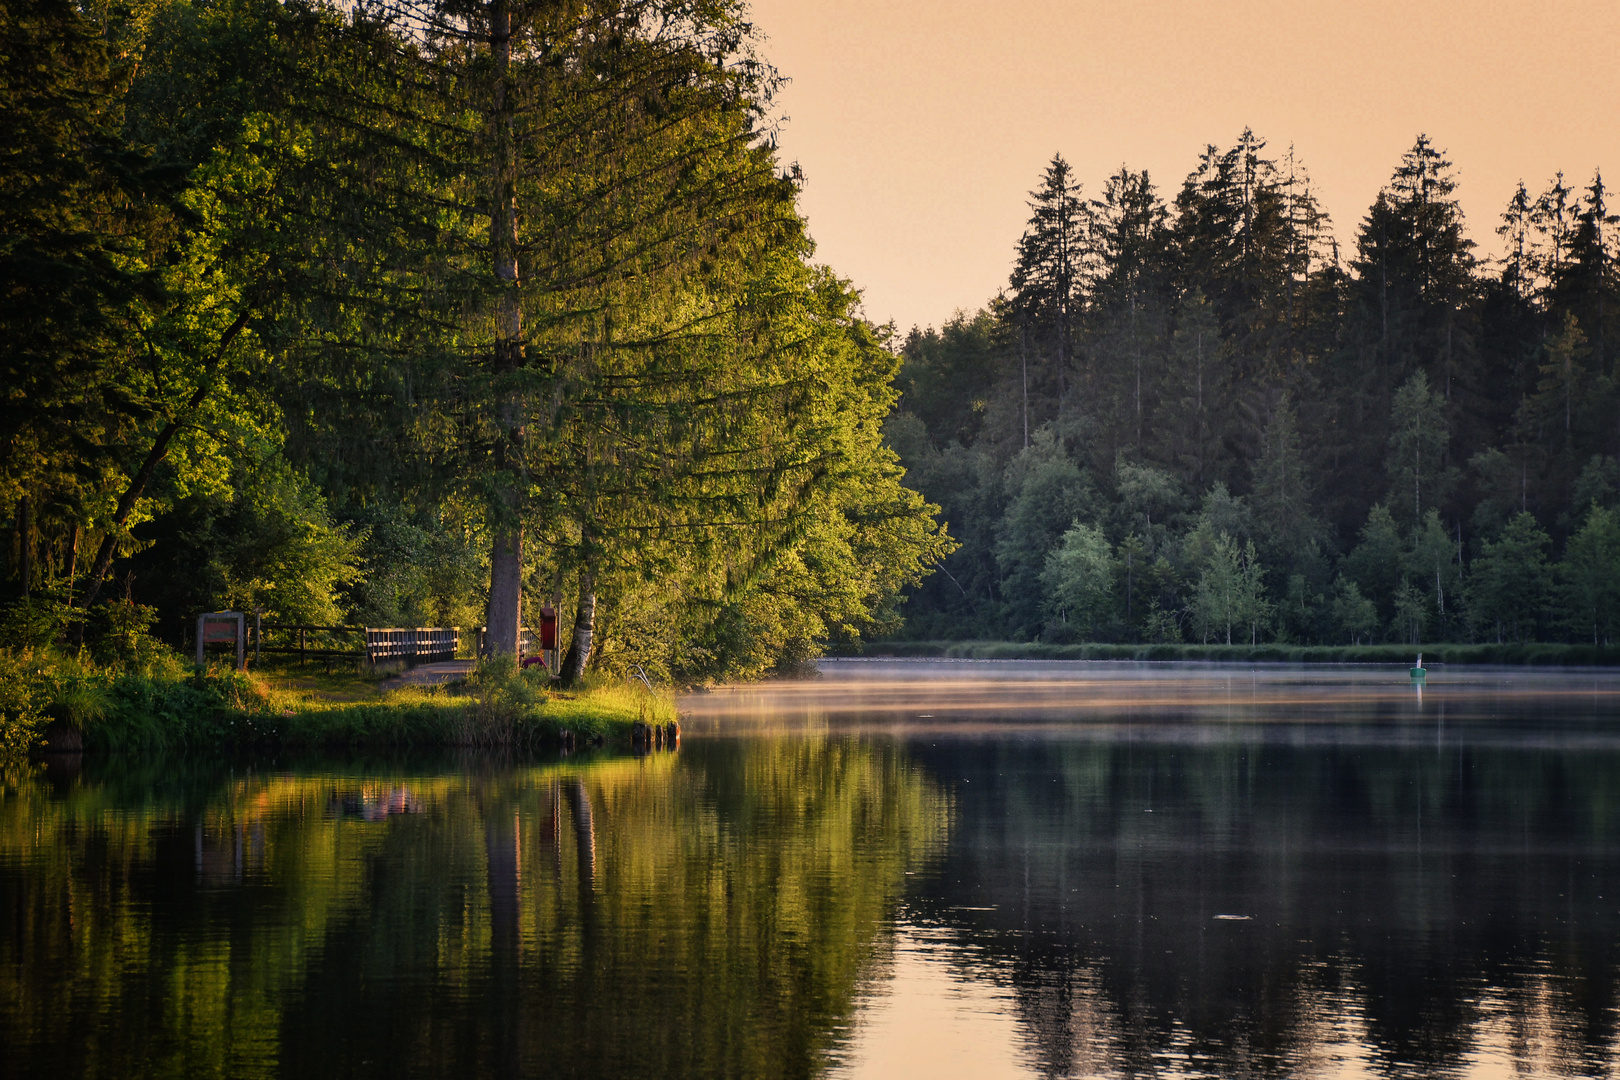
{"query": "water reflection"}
(1286, 873)
(1005, 870)
(709, 913)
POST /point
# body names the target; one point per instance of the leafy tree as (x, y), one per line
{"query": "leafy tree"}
(1230, 592)
(1598, 482)
(1079, 578)
(1411, 612)
(1130, 239)
(1552, 218)
(947, 375)
(1509, 581)
(1048, 492)
(1234, 234)
(1518, 265)
(1374, 563)
(1433, 563)
(1356, 615)
(1562, 377)
(1589, 577)
(1150, 499)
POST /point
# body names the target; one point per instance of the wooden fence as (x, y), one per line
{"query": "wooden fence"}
(413, 645)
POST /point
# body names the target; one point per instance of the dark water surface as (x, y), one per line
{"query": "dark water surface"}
(927, 869)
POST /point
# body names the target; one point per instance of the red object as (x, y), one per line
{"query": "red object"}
(529, 661)
(548, 628)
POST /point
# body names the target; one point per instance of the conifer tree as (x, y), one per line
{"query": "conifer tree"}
(1419, 475)
(1281, 486)
(1588, 285)
(1051, 271)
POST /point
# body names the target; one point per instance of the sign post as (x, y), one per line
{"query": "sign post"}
(548, 637)
(222, 626)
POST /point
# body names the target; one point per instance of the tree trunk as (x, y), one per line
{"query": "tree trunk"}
(73, 562)
(25, 540)
(579, 643)
(505, 612)
(506, 554)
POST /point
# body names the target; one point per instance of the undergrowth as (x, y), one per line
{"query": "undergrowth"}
(157, 701)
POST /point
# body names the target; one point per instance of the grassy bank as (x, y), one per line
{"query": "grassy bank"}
(54, 700)
(1532, 654)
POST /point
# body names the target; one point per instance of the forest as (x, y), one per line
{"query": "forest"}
(1204, 417)
(405, 314)
(426, 314)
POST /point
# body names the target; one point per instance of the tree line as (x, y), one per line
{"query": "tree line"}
(1203, 418)
(425, 314)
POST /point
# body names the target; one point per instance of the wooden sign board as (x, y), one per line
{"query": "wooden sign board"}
(220, 627)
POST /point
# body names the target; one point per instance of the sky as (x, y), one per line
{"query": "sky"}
(922, 125)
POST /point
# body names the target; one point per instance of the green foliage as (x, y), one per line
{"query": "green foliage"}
(1374, 565)
(1049, 492)
(415, 569)
(37, 622)
(387, 316)
(1508, 586)
(1317, 407)
(1355, 615)
(1079, 580)
(1589, 577)
(1283, 500)
(947, 377)
(1416, 465)
(23, 691)
(1230, 593)
(267, 541)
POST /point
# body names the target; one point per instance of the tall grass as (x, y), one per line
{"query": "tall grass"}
(165, 704)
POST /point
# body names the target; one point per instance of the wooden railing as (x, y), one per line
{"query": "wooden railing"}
(414, 645)
(307, 641)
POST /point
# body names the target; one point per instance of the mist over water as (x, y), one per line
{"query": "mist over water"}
(898, 869)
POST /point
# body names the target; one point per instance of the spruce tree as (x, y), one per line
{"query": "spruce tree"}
(1050, 274)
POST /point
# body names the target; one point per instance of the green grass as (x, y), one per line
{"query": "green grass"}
(167, 705)
(472, 715)
(1526, 654)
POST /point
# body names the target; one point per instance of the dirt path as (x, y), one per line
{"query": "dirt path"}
(428, 675)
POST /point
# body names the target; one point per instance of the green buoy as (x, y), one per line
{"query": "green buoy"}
(1418, 674)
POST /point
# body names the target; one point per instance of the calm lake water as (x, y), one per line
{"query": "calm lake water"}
(929, 869)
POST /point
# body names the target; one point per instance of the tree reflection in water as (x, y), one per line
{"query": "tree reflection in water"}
(1401, 897)
(715, 915)
(1420, 910)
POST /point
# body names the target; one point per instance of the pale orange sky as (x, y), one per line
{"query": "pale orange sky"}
(921, 126)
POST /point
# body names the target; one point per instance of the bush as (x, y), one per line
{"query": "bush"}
(20, 694)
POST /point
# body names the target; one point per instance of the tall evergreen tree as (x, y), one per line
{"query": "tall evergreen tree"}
(1050, 275)
(1588, 285)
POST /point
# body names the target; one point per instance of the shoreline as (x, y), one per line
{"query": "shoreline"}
(1511, 655)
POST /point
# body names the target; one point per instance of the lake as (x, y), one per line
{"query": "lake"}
(902, 868)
